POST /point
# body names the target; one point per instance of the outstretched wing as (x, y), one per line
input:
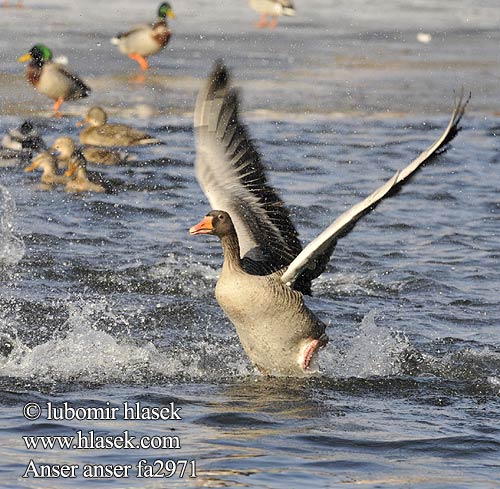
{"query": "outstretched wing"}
(311, 262)
(230, 172)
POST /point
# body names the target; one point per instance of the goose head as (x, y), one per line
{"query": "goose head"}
(215, 222)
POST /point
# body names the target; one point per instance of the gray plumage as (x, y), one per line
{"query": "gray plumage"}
(263, 258)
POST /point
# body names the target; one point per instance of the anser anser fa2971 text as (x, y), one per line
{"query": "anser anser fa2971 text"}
(265, 270)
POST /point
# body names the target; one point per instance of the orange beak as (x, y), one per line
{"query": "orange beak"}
(31, 167)
(69, 172)
(205, 226)
(24, 58)
(82, 122)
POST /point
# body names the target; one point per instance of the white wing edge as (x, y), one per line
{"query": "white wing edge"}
(326, 237)
(422, 157)
(300, 262)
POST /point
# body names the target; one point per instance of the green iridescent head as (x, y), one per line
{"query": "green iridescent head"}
(165, 10)
(41, 53)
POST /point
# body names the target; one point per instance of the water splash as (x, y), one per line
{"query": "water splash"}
(81, 351)
(11, 246)
(373, 351)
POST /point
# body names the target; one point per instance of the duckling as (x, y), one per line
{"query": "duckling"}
(273, 8)
(146, 39)
(51, 78)
(47, 162)
(100, 133)
(83, 181)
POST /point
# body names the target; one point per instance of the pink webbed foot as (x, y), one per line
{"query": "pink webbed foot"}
(310, 350)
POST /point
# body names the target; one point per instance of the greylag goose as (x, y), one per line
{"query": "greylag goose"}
(273, 9)
(265, 271)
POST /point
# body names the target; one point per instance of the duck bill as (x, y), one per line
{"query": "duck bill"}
(30, 167)
(205, 226)
(69, 172)
(24, 58)
(82, 123)
(171, 15)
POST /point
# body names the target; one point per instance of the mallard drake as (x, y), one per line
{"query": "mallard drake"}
(146, 39)
(265, 270)
(22, 142)
(47, 162)
(24, 137)
(272, 8)
(100, 133)
(52, 79)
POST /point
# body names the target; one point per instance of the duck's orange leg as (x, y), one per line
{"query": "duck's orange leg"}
(19, 4)
(274, 21)
(5, 3)
(263, 21)
(143, 62)
(57, 106)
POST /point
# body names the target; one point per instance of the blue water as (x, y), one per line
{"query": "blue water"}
(107, 299)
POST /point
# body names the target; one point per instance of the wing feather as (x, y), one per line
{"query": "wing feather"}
(232, 176)
(312, 261)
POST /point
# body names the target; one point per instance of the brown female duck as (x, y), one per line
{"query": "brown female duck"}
(79, 180)
(47, 162)
(83, 181)
(266, 271)
(100, 133)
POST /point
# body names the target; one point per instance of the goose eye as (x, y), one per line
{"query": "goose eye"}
(220, 217)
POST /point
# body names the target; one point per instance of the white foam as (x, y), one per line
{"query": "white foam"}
(85, 353)
(373, 351)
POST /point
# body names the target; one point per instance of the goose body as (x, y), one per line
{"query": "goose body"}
(100, 133)
(266, 270)
(52, 79)
(146, 39)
